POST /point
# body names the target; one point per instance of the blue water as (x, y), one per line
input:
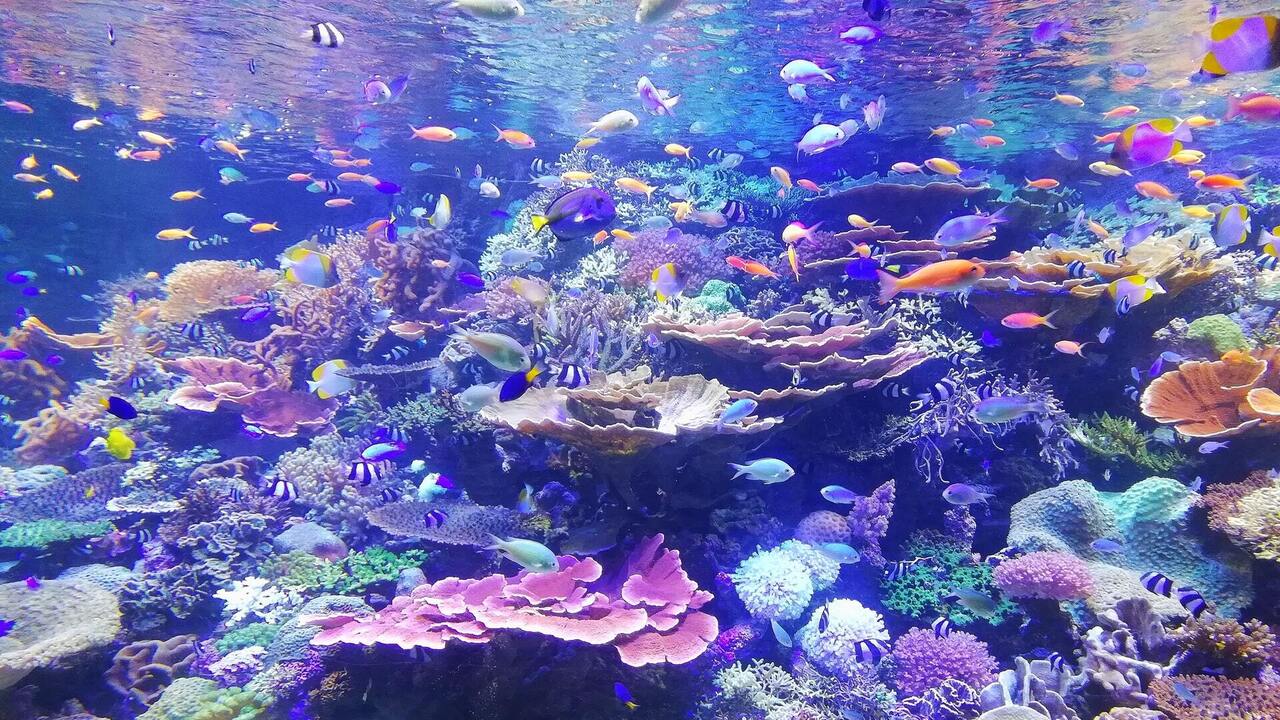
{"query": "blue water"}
(968, 456)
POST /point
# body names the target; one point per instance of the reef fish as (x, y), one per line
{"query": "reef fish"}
(1242, 44)
(944, 276)
(502, 351)
(1005, 408)
(1149, 142)
(528, 554)
(765, 470)
(581, 212)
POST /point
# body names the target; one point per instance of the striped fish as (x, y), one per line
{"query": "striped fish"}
(1157, 583)
(941, 628)
(325, 34)
(539, 166)
(434, 518)
(235, 495)
(283, 489)
(1110, 256)
(389, 495)
(193, 331)
(870, 651)
(1077, 269)
(900, 568)
(1267, 262)
(1057, 662)
(824, 620)
(941, 391)
(735, 211)
(141, 535)
(826, 319)
(1192, 601)
(395, 353)
(715, 154)
(895, 390)
(365, 471)
(572, 376)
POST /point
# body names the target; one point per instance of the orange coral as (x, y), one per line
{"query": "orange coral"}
(203, 286)
(28, 383)
(53, 434)
(1218, 399)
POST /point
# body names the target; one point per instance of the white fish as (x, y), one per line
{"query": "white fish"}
(618, 121)
(765, 470)
(443, 215)
(327, 382)
(477, 397)
(489, 190)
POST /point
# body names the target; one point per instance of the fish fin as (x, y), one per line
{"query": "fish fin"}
(499, 138)
(1249, 179)
(311, 386)
(1049, 317)
(889, 285)
(539, 222)
(496, 542)
(740, 470)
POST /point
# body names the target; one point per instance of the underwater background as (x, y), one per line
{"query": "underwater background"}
(767, 359)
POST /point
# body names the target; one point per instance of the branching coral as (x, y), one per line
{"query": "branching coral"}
(1203, 697)
(920, 591)
(763, 691)
(1113, 437)
(198, 287)
(320, 473)
(1238, 650)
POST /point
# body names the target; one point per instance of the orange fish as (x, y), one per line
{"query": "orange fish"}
(1120, 111)
(434, 133)
(808, 185)
(1154, 190)
(982, 122)
(351, 177)
(1070, 347)
(939, 277)
(1200, 121)
(515, 138)
(943, 131)
(1223, 182)
(145, 155)
(1195, 174)
(600, 237)
(1098, 230)
(1106, 139)
(1028, 320)
(1042, 183)
(751, 267)
(299, 177)
(987, 141)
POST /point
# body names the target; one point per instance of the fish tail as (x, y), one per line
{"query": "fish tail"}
(496, 542)
(889, 285)
(1048, 318)
(740, 470)
(1233, 108)
(632, 705)
(499, 138)
(1246, 180)
(539, 222)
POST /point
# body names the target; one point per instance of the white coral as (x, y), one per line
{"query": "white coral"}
(252, 597)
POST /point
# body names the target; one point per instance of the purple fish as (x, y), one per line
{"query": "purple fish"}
(1067, 151)
(1212, 447)
(18, 277)
(33, 583)
(21, 313)
(1138, 233)
(32, 291)
(379, 452)
(862, 269)
(255, 313)
(1132, 69)
(471, 280)
(13, 354)
(6, 627)
(53, 360)
(387, 187)
(500, 214)
(1156, 368)
(989, 339)
(1047, 31)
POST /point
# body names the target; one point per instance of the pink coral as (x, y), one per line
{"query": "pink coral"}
(652, 617)
(923, 660)
(260, 393)
(822, 526)
(1051, 575)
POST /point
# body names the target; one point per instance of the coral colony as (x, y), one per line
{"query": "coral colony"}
(899, 360)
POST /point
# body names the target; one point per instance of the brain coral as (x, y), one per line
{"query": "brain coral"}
(847, 623)
(822, 526)
(56, 621)
(1150, 521)
(1045, 574)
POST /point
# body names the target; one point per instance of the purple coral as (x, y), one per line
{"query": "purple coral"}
(869, 521)
(1049, 575)
(697, 257)
(925, 661)
(822, 526)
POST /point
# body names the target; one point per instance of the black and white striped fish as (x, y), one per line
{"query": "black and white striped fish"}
(961, 359)
(1123, 307)
(390, 495)
(1192, 601)
(137, 381)
(900, 568)
(283, 489)
(824, 620)
(1110, 256)
(870, 651)
(434, 518)
(1158, 583)
(941, 391)
(328, 231)
(722, 176)
(941, 627)
(715, 154)
(1267, 262)
(985, 390)
(391, 434)
(772, 212)
(256, 263)
(1057, 662)
(735, 211)
(326, 186)
(141, 535)
(572, 376)
(539, 166)
(895, 390)
(826, 319)
(396, 352)
(193, 331)
(235, 495)
(365, 471)
(1077, 269)
(325, 34)
(1194, 243)
(540, 351)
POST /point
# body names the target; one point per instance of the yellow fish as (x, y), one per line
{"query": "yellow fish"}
(943, 166)
(622, 235)
(1199, 212)
(66, 174)
(638, 187)
(119, 445)
(586, 143)
(156, 138)
(1068, 100)
(44, 194)
(1106, 169)
(577, 176)
(176, 234)
(263, 227)
(860, 222)
(681, 210)
(90, 492)
(1187, 157)
(29, 162)
(147, 115)
(29, 178)
(184, 195)
(678, 150)
(230, 148)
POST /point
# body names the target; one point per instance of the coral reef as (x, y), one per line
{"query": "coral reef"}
(923, 661)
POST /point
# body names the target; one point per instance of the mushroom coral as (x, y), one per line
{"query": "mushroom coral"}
(1221, 398)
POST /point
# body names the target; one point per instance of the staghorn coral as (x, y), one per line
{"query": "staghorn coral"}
(1113, 437)
(920, 591)
(763, 690)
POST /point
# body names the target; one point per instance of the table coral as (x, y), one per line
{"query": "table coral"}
(53, 623)
(42, 533)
